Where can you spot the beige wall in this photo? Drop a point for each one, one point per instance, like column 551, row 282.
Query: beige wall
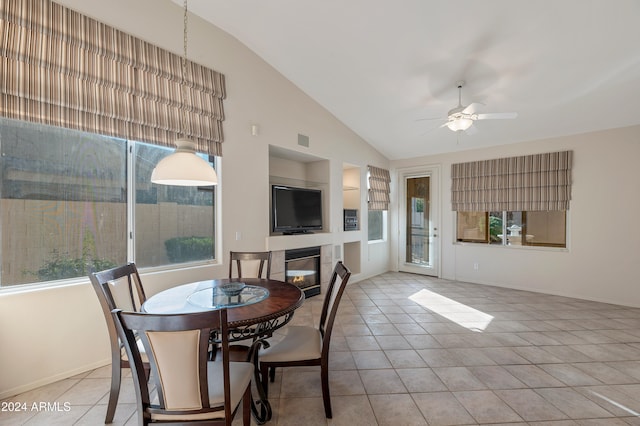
column 603, row 247
column 48, row 334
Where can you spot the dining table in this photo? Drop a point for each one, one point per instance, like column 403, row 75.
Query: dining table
column 256, row 307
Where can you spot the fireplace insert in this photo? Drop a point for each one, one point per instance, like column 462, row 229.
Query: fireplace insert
column 302, row 268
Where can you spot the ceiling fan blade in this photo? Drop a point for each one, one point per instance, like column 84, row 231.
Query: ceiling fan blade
column 497, row 115
column 430, row 119
column 472, row 108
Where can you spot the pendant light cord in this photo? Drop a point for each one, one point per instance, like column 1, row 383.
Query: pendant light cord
column 183, row 90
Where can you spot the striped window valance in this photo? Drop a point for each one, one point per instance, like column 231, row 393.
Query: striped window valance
column 62, row 68
column 379, row 188
column 540, row 182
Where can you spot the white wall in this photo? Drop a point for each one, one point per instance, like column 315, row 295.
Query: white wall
column 603, row 227
column 49, row 334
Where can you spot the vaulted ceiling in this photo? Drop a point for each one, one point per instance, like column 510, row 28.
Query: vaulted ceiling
column 382, row 67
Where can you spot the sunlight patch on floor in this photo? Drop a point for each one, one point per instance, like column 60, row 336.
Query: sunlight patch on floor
column 617, row 404
column 461, row 314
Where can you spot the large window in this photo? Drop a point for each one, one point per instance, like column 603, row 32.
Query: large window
column 67, row 199
column 515, row 228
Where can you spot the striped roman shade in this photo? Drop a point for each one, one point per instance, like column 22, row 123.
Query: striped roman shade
column 61, row 68
column 540, row 182
column 379, row 180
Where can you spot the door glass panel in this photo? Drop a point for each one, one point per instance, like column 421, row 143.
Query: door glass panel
column 418, row 221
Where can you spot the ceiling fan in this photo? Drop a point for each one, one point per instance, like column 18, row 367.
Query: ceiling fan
column 461, row 118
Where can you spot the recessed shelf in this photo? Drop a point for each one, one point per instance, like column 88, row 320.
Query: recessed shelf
column 352, row 203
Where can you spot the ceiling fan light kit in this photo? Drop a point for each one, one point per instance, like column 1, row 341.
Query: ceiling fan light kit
column 459, row 124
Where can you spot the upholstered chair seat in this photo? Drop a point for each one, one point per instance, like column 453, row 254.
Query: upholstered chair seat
column 297, row 343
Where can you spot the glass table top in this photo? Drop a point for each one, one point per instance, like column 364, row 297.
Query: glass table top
column 215, row 298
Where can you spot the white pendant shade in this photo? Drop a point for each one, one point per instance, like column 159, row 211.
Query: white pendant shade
column 184, row 168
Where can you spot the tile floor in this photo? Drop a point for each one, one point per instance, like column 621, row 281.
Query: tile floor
column 413, row 350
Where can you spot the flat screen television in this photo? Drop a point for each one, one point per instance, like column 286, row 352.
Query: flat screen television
column 295, row 210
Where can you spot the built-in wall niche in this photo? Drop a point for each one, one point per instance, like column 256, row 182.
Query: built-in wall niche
column 301, row 170
column 352, row 256
column 351, row 197
column 352, row 216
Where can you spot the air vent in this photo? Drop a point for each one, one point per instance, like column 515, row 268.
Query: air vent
column 303, row 140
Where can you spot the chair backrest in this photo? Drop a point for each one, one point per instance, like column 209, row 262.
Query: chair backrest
column 258, row 260
column 331, row 302
column 118, row 288
column 177, row 346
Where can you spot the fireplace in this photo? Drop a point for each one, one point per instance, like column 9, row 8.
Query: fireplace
column 302, row 268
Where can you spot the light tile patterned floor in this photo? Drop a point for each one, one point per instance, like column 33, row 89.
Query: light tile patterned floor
column 413, row 350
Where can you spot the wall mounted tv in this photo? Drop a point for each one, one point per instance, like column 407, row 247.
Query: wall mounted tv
column 295, row 210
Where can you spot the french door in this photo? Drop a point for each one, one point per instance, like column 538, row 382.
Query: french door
column 419, row 246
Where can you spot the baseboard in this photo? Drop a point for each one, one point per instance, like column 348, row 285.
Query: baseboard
column 8, row 393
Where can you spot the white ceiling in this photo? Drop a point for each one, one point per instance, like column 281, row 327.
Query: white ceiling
column 380, row 66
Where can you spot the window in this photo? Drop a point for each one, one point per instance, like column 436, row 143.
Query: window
column 513, row 201
column 376, row 227
column 472, row 227
column 65, row 202
column 174, row 224
column 378, row 188
column 534, row 228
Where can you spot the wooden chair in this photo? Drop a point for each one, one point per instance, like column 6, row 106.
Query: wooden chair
column 238, row 257
column 189, row 387
column 248, row 349
column 118, row 288
column 307, row 346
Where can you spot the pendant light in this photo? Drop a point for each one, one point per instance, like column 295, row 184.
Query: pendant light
column 184, row 167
